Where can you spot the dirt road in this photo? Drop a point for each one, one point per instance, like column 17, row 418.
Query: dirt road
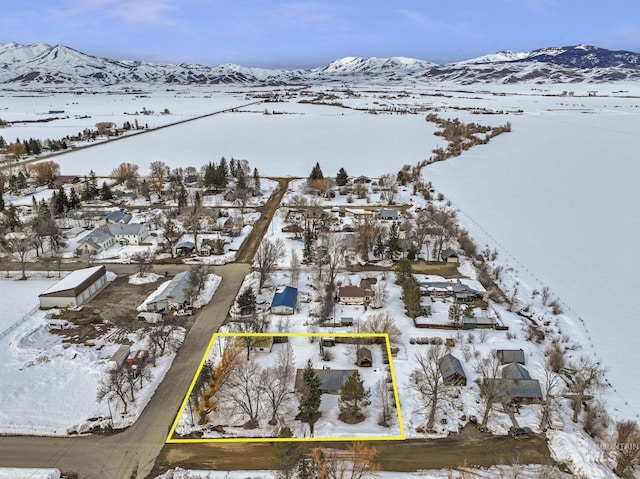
column 405, row 456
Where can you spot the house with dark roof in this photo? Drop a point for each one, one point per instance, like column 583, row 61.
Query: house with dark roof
column 74, row 289
column 284, row 300
column 331, row 380
column 58, row 181
column 184, row 248
column 515, row 371
column 452, row 371
column 361, row 294
column 389, row 214
column 507, row 356
column 115, row 217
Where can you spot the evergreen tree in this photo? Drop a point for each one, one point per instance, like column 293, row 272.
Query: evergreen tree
column 145, row 190
column 105, row 192
column 233, row 168
column 411, row 297
column 380, row 248
column 307, row 249
column 92, row 185
column 209, row 175
column 246, row 302
column 1, row 195
column 62, row 202
column 21, row 181
column 455, row 313
column 73, row 201
column 403, row 270
column 287, row 455
column 316, row 173
column 241, row 182
column 182, row 198
column 12, row 220
column 342, row 178
column 353, row 398
column 393, row 244
column 310, row 394
column 256, row 180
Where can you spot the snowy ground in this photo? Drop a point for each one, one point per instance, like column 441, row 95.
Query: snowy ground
column 65, row 376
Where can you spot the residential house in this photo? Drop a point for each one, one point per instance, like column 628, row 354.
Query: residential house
column 331, row 380
column 184, row 248
column 59, row 181
column 284, row 300
column 452, row 371
column 107, row 235
column 115, row 217
column 361, row 294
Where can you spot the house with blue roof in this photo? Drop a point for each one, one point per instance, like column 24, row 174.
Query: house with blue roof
column 284, row 300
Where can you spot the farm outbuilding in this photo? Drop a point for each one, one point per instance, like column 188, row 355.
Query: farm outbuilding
column 449, row 256
column 507, row 356
column 364, row 359
column 452, row 371
column 174, row 296
column 75, row 289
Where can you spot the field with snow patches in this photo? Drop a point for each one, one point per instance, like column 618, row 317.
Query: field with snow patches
column 556, row 198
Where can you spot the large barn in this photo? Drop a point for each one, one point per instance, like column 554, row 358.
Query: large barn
column 75, row 289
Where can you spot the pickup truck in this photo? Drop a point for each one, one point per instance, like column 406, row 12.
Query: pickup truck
column 183, row 312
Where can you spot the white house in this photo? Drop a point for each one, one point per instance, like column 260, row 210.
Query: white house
column 107, row 235
column 74, row 289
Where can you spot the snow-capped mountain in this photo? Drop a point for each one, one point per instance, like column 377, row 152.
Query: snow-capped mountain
column 42, row 64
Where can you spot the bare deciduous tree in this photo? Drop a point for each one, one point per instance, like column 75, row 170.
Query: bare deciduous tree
column 116, row 383
column 586, row 375
column 385, row 403
column 278, row 381
column 627, row 446
column 551, row 389
column 488, row 368
column 163, row 338
column 244, row 391
column 266, row 258
column 144, row 260
column 357, row 463
column 383, row 323
column 19, row 246
column 388, row 188
column 426, row 381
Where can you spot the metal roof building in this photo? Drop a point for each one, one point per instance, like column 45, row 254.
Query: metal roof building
column 173, row 296
column 452, row 371
column 75, row 288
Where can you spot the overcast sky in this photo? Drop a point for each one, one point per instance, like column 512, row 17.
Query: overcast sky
column 280, row 33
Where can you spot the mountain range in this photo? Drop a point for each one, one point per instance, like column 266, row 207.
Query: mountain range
column 40, row 64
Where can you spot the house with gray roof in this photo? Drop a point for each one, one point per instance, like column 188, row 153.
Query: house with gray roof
column 452, row 371
column 507, row 356
column 331, row 380
column 115, row 217
column 516, row 372
column 449, row 256
column 107, row 235
column 173, row 296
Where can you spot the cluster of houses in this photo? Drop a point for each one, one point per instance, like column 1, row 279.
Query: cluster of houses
column 514, row 386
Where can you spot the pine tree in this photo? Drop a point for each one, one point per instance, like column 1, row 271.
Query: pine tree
column 105, row 192
column 287, row 455
column 353, row 398
column 403, row 270
column 411, row 297
column 379, row 249
column 246, row 302
column 310, row 394
column 455, row 313
column 307, row 249
column 73, row 201
column 62, row 202
column 241, row 182
column 393, row 244
column 316, row 173
column 342, row 177
column 93, row 185
column 256, row 180
column 182, row 198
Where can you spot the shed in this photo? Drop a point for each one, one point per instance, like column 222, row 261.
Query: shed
column 74, row 289
column 507, row 356
column 284, row 300
column 73, row 232
column 119, row 357
column 331, row 380
column 185, row 248
column 388, row 214
column 482, row 322
column 449, row 256
column 364, row 359
column 452, row 371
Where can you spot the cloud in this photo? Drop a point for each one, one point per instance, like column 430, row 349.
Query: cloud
column 139, row 12
column 412, row 16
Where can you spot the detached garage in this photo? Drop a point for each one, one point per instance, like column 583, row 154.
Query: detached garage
column 75, row 289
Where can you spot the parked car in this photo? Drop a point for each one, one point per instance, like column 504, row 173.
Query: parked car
column 183, row 312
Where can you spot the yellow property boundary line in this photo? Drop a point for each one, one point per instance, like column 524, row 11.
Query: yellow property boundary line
column 400, row 437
